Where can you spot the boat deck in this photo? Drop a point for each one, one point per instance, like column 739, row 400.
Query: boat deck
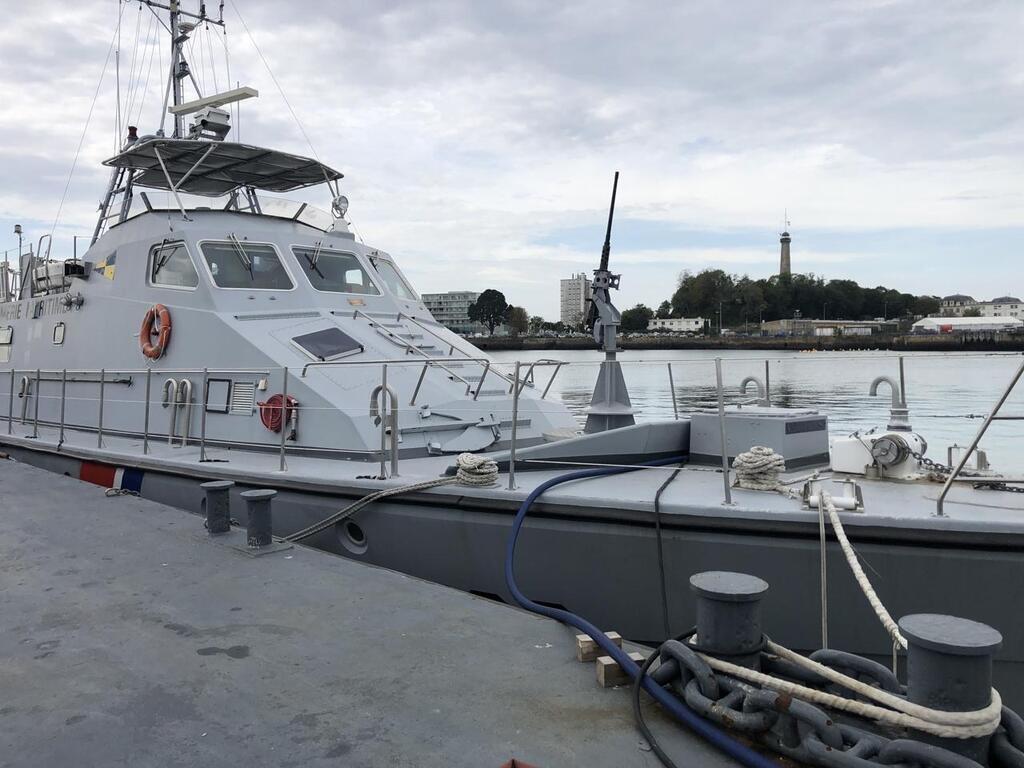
column 696, row 495
column 129, row 637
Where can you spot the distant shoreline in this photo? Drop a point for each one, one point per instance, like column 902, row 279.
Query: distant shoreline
column 904, row 343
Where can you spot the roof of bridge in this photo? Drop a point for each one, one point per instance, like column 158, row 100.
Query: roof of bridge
column 212, row 168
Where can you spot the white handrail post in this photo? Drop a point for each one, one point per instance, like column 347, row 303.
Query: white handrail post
column 10, row 406
column 145, row 418
column 392, row 397
column 202, row 418
column 672, row 389
column 63, row 391
column 515, row 428
column 383, row 421
column 283, row 466
column 722, row 431
column 99, row 420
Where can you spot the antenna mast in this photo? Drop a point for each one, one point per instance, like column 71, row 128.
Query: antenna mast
column 177, row 62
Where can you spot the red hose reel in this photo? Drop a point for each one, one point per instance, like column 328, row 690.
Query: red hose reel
column 271, row 412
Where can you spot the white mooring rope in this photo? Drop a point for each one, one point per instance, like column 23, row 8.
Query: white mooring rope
column 903, row 714
column 758, row 470
column 858, row 573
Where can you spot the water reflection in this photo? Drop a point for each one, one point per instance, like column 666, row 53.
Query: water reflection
column 942, row 389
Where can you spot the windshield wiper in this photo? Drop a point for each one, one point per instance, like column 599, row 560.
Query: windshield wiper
column 314, row 257
column 242, row 255
column 166, row 250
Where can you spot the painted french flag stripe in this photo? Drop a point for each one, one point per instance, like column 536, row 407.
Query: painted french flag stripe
column 111, row 477
column 98, row 474
column 130, row 479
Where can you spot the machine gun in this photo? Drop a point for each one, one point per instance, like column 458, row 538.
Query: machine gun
column 602, row 317
column 610, row 407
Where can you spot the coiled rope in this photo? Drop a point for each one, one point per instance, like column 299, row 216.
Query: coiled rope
column 758, row 469
column 473, row 471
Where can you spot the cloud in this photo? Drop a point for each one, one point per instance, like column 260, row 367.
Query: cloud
column 478, row 139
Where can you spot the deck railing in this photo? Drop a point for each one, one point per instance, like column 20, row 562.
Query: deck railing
column 385, row 407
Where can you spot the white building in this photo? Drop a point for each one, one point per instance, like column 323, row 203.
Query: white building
column 677, row 324
column 1004, row 306
column 967, row 324
column 451, row 310
column 575, row 293
column 960, row 304
column 957, row 304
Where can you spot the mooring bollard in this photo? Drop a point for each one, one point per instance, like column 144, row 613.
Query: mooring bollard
column 949, row 667
column 218, row 506
column 260, row 528
column 729, row 615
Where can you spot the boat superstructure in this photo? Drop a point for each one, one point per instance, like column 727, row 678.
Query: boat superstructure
column 216, row 331
column 242, row 278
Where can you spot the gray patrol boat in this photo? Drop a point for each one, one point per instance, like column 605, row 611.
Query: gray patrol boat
column 214, row 330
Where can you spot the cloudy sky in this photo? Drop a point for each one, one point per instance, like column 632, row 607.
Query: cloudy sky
column 479, row 139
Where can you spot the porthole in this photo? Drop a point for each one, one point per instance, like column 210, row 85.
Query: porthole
column 58, row 333
column 352, row 537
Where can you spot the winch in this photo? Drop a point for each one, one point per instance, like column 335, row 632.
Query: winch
column 894, row 454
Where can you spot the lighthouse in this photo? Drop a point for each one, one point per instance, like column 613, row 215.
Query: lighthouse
column 785, row 266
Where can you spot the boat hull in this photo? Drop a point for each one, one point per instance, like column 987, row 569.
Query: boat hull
column 608, row 570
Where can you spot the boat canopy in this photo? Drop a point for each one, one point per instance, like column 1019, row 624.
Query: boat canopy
column 213, row 168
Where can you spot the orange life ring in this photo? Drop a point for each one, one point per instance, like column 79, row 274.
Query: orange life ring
column 158, row 312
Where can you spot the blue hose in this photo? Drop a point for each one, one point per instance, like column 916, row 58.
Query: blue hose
column 681, row 712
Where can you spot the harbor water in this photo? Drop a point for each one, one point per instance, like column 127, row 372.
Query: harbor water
column 948, row 394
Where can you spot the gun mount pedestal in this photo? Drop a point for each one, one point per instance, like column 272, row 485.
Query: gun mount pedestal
column 610, row 407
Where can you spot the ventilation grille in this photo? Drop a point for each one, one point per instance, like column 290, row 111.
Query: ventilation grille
column 276, row 316
column 243, row 398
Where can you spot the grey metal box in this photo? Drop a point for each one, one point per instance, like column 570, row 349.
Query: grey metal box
column 799, row 435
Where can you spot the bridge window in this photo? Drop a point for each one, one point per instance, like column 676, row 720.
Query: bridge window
column 335, row 271
column 239, row 264
column 393, row 279
column 170, row 266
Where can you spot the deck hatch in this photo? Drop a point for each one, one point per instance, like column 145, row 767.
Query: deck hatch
column 328, row 344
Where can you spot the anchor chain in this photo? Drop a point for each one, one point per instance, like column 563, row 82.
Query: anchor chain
column 805, row 732
column 935, row 466
column 1000, row 486
column 941, row 471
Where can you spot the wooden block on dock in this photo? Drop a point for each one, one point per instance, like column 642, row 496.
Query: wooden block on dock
column 609, row 673
column 588, row 650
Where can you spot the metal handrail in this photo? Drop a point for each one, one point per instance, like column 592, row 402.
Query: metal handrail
column 974, row 443
column 380, row 361
column 410, row 347
column 178, row 397
column 466, row 356
column 528, row 378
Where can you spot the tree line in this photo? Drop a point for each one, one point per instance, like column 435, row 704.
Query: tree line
column 742, row 300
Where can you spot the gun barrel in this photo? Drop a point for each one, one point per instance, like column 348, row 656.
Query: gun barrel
column 606, row 250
